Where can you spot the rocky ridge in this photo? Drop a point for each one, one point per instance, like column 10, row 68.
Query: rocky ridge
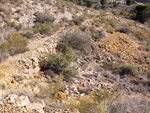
column 21, row 79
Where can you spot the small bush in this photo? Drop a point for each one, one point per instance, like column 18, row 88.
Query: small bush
column 114, row 67
column 77, row 40
column 56, row 62
column 69, row 54
column 87, row 3
column 122, row 70
column 128, row 70
column 52, row 88
column 112, row 22
column 42, row 28
column 15, row 26
column 43, row 17
column 19, row 27
column 107, row 65
column 123, row 13
column 28, row 34
column 69, row 72
column 115, row 4
column 114, row 12
column 142, row 13
column 15, row 44
column 95, row 34
column 59, row 63
column 140, row 35
column 110, row 30
column 130, row 2
column 124, row 30
column 85, row 106
column 77, row 22
column 102, row 95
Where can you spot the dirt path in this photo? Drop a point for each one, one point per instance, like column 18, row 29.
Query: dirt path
column 16, row 64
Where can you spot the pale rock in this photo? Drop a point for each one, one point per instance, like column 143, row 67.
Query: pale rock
column 36, row 106
column 103, row 34
column 1, row 102
column 23, row 101
column 13, row 97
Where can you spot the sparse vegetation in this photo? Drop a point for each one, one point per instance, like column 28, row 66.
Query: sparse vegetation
column 43, row 17
column 122, row 70
column 123, row 13
column 11, row 1
column 130, row 2
column 128, row 70
column 59, row 63
column 42, row 28
column 52, row 88
column 16, row 44
column 55, row 62
column 75, row 66
column 87, row 3
column 43, row 22
column 77, row 40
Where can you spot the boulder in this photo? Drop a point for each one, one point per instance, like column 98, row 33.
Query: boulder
column 103, row 34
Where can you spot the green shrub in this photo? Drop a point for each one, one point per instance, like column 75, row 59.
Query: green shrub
column 139, row 35
column 107, row 65
column 130, row 2
column 102, row 95
column 42, row 28
column 56, row 62
column 59, row 63
column 103, row 2
column 112, row 22
column 43, row 17
column 128, row 70
column 69, row 54
column 142, row 13
column 28, row 34
column 124, row 30
column 69, row 72
column 85, row 106
column 52, row 88
column 77, row 40
column 115, row 4
column 133, row 16
column 122, row 70
column 110, row 30
column 15, row 26
column 19, row 27
column 77, row 22
column 114, row 12
column 87, row 3
column 123, row 13
column 15, row 44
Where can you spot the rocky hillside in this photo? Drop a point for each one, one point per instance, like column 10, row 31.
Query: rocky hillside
column 59, row 57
